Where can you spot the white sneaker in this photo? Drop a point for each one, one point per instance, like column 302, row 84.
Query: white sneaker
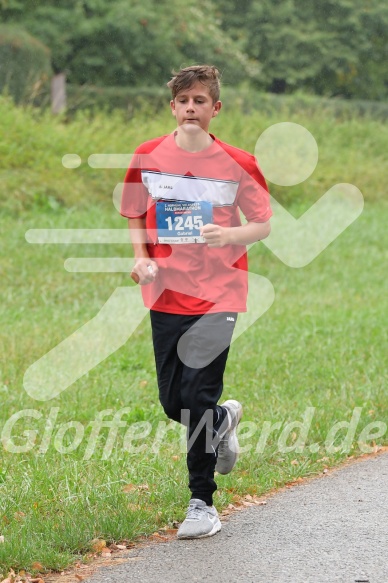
column 200, row 521
column 228, row 447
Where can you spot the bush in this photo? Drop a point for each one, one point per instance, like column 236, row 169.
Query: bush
column 25, row 65
column 131, row 99
column 248, row 100
column 245, row 99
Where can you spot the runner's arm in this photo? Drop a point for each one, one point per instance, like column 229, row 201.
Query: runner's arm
column 144, row 267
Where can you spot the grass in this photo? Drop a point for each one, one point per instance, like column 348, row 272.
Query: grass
column 32, row 144
column 321, row 345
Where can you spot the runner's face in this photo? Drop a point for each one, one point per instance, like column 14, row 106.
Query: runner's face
column 194, row 107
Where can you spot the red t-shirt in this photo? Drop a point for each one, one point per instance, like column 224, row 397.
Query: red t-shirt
column 194, row 278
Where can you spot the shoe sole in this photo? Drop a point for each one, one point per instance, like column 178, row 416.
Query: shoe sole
column 232, row 439
column 216, row 528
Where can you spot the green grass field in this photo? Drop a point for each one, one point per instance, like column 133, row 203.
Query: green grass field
column 319, row 350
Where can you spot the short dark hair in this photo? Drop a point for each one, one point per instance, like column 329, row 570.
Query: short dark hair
column 206, row 74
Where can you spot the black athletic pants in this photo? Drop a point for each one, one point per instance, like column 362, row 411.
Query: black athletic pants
column 190, row 357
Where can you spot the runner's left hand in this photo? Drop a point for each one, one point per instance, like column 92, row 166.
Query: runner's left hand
column 215, row 235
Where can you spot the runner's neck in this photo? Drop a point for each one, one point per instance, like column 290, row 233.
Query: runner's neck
column 192, row 141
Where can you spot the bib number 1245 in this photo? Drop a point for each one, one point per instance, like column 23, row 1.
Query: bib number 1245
column 182, row 223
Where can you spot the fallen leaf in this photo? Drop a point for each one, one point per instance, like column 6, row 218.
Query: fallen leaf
column 79, row 577
column 10, row 578
column 37, row 566
column 158, row 536
column 168, row 531
column 19, row 515
column 1, row 538
column 97, row 545
column 114, row 547
column 294, row 463
column 133, row 487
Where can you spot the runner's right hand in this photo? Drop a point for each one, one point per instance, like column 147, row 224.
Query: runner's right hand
column 144, row 271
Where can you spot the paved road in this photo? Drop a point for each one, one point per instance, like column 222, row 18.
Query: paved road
column 333, row 529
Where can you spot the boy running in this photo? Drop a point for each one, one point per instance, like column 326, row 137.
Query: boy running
column 183, row 194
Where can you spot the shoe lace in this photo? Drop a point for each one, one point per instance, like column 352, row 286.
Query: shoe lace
column 194, row 512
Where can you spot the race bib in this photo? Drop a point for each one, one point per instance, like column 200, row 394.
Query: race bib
column 180, row 221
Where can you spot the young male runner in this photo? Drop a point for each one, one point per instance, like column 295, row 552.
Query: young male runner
column 183, row 194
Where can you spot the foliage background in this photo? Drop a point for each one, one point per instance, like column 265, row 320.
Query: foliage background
column 330, row 48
